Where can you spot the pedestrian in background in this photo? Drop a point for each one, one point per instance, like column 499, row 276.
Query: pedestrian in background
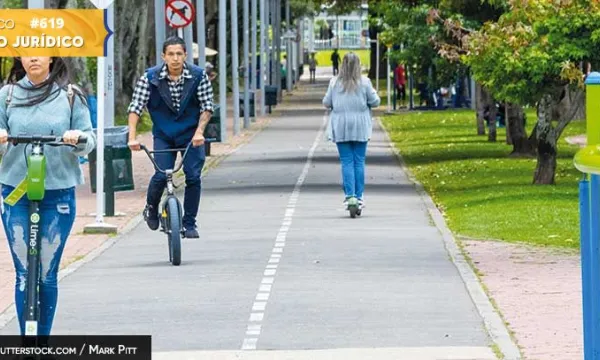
column 350, row 97
column 312, row 67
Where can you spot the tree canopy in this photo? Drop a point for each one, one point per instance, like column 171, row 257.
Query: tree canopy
column 535, row 49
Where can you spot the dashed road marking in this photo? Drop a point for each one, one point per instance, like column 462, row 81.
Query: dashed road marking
column 264, row 291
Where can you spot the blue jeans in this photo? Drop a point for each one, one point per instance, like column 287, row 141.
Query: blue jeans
column 352, row 158
column 57, row 212
column 192, row 168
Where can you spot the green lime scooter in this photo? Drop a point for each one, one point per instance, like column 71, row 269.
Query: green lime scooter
column 34, row 186
column 354, row 207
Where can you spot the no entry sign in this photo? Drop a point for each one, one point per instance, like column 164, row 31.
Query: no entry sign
column 179, row 13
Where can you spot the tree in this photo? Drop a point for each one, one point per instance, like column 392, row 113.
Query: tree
column 462, row 17
column 531, row 56
column 405, row 22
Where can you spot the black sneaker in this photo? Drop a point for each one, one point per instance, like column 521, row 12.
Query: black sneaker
column 191, row 233
column 151, row 217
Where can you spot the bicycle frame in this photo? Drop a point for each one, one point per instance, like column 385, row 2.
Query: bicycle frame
column 35, row 179
column 168, row 172
column 170, row 218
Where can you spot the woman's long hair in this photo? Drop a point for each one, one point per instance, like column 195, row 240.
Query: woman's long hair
column 59, row 75
column 350, row 75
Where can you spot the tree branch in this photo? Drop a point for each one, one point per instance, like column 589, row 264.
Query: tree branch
column 566, row 119
column 453, row 28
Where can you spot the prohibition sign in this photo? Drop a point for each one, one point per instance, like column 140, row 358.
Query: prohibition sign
column 179, row 13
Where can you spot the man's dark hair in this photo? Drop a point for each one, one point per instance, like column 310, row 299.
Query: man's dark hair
column 59, row 75
column 173, row 40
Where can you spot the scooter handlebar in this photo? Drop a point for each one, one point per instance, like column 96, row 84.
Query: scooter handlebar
column 46, row 139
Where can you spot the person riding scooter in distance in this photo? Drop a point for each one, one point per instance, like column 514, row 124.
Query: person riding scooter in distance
column 179, row 99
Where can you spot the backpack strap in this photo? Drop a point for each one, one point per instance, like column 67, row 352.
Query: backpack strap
column 11, row 87
column 71, row 96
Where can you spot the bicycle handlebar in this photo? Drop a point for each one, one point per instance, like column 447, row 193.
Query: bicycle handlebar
column 148, row 152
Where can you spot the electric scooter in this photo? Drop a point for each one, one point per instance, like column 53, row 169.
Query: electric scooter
column 354, row 207
column 34, row 187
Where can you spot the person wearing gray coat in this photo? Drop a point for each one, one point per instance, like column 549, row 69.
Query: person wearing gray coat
column 350, row 97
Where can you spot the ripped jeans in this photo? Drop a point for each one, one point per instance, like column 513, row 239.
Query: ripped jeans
column 57, row 212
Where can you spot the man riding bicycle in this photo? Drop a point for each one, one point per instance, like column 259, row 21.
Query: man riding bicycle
column 179, row 99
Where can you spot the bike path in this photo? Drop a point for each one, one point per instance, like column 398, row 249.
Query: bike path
column 281, row 266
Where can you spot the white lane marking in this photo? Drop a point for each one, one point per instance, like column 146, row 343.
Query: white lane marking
column 256, row 317
column 260, row 303
column 249, row 343
column 262, row 296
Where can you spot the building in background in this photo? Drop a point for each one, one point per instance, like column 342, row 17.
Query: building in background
column 330, row 31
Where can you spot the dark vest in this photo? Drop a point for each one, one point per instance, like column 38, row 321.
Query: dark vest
column 168, row 123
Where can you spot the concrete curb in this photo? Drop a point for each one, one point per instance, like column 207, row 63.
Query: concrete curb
column 9, row 313
column 491, row 318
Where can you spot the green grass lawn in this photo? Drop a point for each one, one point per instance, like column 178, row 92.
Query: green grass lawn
column 323, row 57
column 482, row 192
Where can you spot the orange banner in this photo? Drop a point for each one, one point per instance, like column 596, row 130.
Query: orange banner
column 48, row 32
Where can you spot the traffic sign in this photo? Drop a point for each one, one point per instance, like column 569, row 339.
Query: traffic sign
column 179, row 13
column 102, row 4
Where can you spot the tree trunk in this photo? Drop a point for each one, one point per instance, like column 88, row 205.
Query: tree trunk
column 515, row 120
column 480, row 117
column 489, row 108
column 546, row 143
column 130, row 48
column 142, row 54
column 578, row 105
column 492, row 123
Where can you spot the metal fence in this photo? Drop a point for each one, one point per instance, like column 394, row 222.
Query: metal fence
column 344, row 42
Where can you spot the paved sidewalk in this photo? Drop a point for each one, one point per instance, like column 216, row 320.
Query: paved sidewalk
column 280, row 266
column 131, row 203
column 538, row 292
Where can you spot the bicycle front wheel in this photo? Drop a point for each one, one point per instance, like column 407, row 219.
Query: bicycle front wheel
column 174, row 231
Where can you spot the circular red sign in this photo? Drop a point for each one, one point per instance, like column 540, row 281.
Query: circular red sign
column 179, row 13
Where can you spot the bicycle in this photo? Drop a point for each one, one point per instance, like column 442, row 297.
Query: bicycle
column 170, row 218
column 34, row 187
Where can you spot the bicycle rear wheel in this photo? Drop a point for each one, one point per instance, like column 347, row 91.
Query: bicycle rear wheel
column 174, row 230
